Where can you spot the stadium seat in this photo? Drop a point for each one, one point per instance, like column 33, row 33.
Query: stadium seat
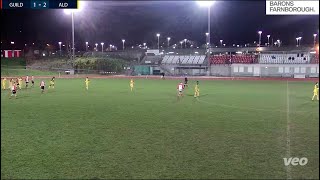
column 238, row 59
column 179, row 59
column 298, row 58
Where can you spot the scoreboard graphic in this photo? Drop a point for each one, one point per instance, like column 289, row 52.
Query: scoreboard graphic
column 39, row 4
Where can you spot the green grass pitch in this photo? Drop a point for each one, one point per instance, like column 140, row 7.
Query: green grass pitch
column 237, row 129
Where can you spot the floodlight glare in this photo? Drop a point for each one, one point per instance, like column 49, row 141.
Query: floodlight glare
column 80, row 7
column 205, row 3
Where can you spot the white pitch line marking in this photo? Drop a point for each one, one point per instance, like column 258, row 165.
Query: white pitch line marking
column 288, row 153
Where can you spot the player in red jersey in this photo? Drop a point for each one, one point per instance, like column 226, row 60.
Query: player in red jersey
column 32, row 81
column 13, row 90
column 180, row 88
column 27, row 81
column 42, row 85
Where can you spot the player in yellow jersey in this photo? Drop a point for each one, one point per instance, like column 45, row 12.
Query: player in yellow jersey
column 131, row 84
column 4, row 82
column 197, row 90
column 87, row 83
column 316, row 92
column 19, row 82
column 52, row 83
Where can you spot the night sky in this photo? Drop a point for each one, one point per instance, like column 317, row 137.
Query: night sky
column 236, row 22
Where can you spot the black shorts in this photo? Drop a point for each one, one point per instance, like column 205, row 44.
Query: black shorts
column 18, row 84
column 42, row 87
column 32, row 82
column 14, row 91
column 27, row 82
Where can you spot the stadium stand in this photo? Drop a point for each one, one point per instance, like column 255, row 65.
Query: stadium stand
column 220, row 59
column 151, row 59
column 187, row 60
column 243, row 59
column 314, row 59
column 236, row 59
column 298, row 58
column 271, row 58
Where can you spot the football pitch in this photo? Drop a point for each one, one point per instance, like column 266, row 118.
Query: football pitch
column 236, row 129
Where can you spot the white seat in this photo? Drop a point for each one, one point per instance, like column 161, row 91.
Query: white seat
column 201, row 60
column 191, row 60
column 169, row 61
column 165, row 59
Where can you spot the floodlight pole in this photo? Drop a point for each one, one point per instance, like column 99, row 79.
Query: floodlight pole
column 259, row 32
column 60, row 47
column 300, row 41
column 314, row 40
column 73, row 49
column 209, row 68
column 158, row 35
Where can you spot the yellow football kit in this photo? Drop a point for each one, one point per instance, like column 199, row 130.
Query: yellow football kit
column 131, row 84
column 4, row 82
column 196, row 91
column 315, row 92
column 51, row 84
column 87, row 83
